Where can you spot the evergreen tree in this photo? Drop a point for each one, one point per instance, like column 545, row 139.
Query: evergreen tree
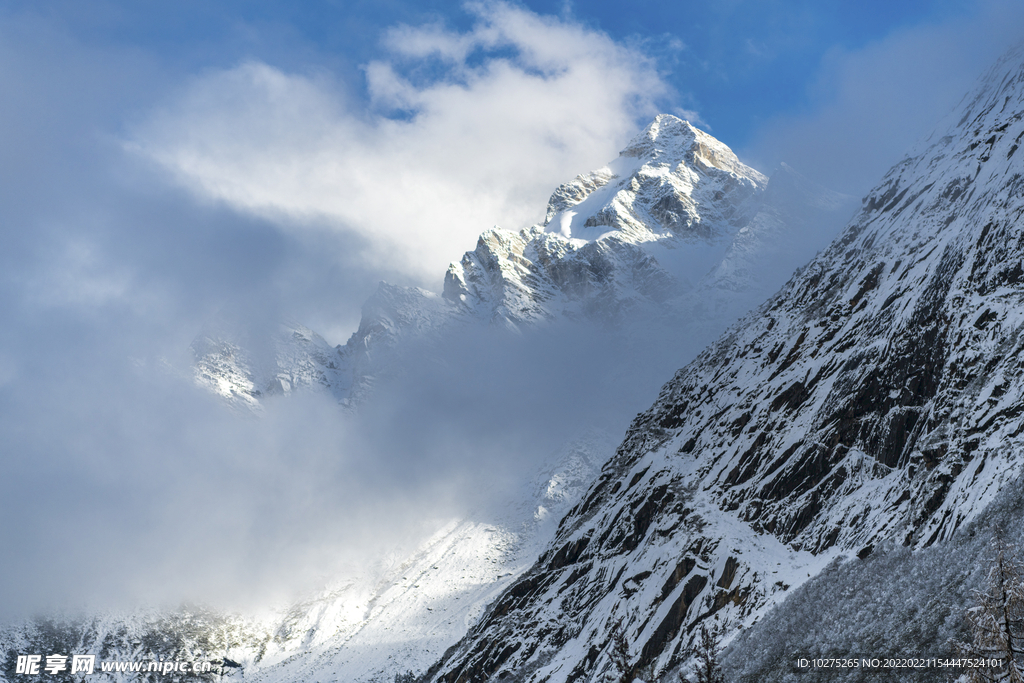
column 707, row 650
column 618, row 652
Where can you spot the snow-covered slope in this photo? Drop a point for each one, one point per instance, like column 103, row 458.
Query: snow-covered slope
column 897, row 603
column 675, row 227
column 400, row 617
column 876, row 397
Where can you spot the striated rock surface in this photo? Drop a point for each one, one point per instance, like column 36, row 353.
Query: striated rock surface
column 875, row 399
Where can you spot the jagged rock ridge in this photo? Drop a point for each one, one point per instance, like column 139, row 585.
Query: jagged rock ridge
column 877, row 396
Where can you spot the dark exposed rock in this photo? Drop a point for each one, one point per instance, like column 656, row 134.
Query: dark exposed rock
column 844, row 413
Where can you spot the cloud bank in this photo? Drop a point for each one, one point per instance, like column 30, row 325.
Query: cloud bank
column 464, row 130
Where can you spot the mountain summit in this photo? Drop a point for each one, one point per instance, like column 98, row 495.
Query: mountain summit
column 672, row 180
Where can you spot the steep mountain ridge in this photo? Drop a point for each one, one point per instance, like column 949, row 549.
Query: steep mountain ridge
column 875, row 397
column 245, row 367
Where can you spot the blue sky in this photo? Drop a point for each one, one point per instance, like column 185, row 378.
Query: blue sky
column 162, row 162
column 738, row 62
column 838, row 90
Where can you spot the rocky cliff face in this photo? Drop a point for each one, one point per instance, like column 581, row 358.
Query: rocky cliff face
column 876, row 397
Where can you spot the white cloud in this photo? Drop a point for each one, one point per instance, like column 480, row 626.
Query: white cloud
column 506, row 111
column 692, row 116
column 78, row 276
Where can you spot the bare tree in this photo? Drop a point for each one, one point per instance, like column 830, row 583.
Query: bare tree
column 997, row 622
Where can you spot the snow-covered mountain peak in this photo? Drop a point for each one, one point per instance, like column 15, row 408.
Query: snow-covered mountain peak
column 666, row 135
column 672, row 180
column 672, row 140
